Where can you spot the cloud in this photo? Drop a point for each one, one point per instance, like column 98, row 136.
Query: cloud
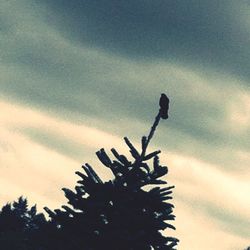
column 198, row 231
column 22, row 162
column 208, row 34
column 202, row 183
column 240, row 112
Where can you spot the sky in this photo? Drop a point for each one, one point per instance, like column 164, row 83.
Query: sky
column 76, row 76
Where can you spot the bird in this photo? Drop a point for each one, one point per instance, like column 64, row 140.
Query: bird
column 164, row 106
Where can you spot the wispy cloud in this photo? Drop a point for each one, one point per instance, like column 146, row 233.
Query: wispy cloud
column 208, row 34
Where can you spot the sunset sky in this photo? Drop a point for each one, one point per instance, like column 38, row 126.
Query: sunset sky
column 76, row 76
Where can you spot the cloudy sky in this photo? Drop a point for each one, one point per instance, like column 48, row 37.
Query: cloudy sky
column 80, row 75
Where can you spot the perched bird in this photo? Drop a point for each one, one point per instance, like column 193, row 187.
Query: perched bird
column 164, row 106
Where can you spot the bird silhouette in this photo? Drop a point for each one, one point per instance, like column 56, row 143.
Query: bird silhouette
column 164, row 106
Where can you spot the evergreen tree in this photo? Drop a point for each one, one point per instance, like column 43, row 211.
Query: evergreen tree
column 20, row 226
column 121, row 213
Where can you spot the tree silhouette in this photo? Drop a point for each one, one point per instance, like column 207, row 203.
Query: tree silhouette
column 127, row 213
column 20, row 226
column 121, row 213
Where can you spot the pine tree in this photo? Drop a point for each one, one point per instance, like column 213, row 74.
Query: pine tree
column 20, row 226
column 121, row 213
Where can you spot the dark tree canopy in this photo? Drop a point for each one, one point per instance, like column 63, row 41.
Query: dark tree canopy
column 128, row 212
column 20, row 227
column 121, row 213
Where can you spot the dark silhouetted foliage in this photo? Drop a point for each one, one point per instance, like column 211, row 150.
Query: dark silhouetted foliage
column 126, row 213
column 119, row 214
column 20, row 227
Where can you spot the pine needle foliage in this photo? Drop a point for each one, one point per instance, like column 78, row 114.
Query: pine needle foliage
column 120, row 213
column 20, row 226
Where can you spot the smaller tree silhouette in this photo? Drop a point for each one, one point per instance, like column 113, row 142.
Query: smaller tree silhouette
column 121, row 213
column 20, row 226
